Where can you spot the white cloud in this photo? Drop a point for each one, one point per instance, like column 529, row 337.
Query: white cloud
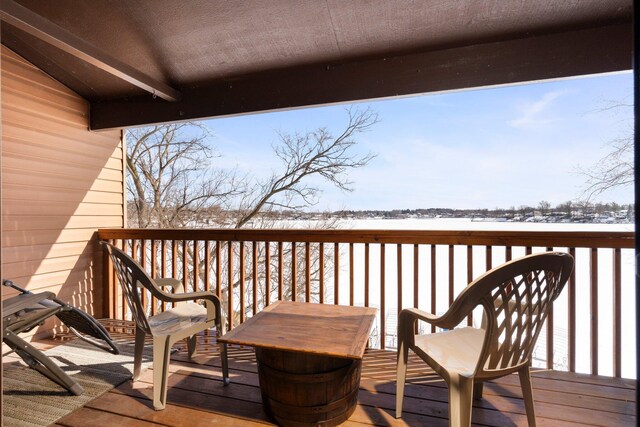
column 532, row 113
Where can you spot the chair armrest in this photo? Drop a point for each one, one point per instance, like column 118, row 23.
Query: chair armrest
column 168, row 282
column 211, row 302
column 408, row 316
column 191, row 296
column 447, row 321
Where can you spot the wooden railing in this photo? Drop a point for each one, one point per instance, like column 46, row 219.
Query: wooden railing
column 390, row 270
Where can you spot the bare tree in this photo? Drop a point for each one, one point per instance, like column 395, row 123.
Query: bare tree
column 170, row 178
column 616, row 168
column 317, row 153
column 173, row 182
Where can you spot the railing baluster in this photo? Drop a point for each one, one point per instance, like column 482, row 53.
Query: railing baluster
column 383, row 332
column 294, row 272
column 267, row 273
column 489, row 258
column 219, row 269
column 336, row 273
column 593, row 263
column 174, row 266
column 230, row 284
column 451, row 278
column 366, row 275
column 399, row 273
column 185, row 266
column 571, row 322
column 195, row 262
column 207, row 265
column 433, row 284
column 241, row 279
column 163, row 257
column 416, row 281
column 174, row 259
column 143, row 263
column 280, row 270
column 550, row 333
column 307, row 273
column 470, row 277
column 351, row 287
column 617, row 313
column 508, row 253
column 416, row 275
column 154, row 274
column 321, row 273
column 254, row 278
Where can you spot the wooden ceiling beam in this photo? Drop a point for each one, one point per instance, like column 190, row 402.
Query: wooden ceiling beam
column 24, row 19
column 551, row 56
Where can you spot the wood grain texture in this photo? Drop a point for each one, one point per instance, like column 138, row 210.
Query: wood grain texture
column 198, row 397
column 331, row 330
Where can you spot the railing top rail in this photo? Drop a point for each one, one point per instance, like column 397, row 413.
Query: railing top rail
column 587, row 239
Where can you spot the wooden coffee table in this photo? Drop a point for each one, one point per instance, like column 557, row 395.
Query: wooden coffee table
column 309, row 359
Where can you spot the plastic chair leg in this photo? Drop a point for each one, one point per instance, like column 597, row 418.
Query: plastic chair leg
column 460, row 400
column 137, row 353
column 225, row 364
column 401, row 374
column 191, row 346
column 161, row 355
column 527, row 394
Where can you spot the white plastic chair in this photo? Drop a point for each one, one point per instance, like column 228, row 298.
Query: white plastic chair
column 516, row 298
column 184, row 320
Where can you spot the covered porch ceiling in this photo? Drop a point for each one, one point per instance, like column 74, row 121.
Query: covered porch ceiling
column 149, row 61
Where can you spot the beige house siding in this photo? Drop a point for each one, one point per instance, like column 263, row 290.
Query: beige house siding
column 60, row 183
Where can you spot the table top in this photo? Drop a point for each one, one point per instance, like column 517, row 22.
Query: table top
column 331, row 330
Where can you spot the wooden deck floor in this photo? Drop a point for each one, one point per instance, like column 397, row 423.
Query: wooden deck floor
column 197, row 397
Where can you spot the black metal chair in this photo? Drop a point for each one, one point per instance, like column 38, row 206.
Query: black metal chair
column 27, row 310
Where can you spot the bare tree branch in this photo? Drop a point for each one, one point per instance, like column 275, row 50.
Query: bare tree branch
column 616, row 169
column 316, row 153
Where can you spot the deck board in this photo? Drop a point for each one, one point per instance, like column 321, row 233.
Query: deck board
column 197, row 396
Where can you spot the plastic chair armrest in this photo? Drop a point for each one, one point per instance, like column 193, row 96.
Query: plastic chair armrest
column 168, row 282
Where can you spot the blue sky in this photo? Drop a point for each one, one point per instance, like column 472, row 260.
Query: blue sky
column 495, row 147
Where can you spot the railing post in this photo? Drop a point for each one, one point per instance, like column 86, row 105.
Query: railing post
column 108, row 287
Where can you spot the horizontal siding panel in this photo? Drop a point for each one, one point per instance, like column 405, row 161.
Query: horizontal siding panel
column 59, row 167
column 80, row 278
column 60, row 183
column 100, row 192
column 75, row 134
column 92, row 144
column 26, row 146
column 34, row 207
column 47, row 265
column 11, row 239
column 51, row 250
column 13, row 66
column 15, row 101
column 43, row 94
column 53, row 183
column 33, row 222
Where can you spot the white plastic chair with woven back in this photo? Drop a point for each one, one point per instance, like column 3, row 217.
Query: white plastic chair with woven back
column 516, row 298
column 184, row 320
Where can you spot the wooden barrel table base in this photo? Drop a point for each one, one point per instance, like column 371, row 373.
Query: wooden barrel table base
column 300, row 389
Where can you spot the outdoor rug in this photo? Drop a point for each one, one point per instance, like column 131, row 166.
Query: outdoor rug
column 30, row 399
